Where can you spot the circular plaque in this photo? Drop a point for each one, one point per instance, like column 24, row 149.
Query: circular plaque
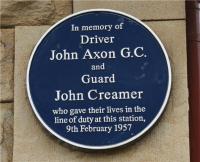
column 98, row 79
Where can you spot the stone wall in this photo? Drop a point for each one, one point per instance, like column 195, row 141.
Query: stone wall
column 22, row 24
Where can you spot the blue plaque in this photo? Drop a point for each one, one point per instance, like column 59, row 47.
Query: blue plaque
column 99, row 79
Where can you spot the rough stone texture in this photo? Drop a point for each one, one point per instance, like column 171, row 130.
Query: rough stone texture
column 6, row 132
column 6, row 64
column 145, row 10
column 167, row 142
column 33, row 12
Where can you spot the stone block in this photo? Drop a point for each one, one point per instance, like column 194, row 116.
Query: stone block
column 161, row 144
column 33, row 12
column 6, row 132
column 6, row 64
column 145, row 10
